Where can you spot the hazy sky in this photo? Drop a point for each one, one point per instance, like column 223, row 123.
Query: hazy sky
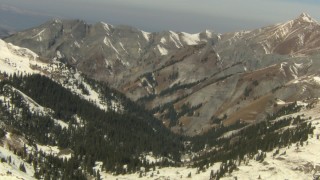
column 178, row 15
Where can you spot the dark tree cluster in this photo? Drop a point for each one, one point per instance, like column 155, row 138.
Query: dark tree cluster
column 121, row 138
column 264, row 136
column 114, row 138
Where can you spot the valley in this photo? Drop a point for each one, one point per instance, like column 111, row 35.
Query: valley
column 98, row 101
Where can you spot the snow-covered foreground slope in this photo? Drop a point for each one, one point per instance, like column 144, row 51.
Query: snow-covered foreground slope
column 7, row 172
column 11, row 170
column 14, row 59
column 291, row 163
column 294, row 162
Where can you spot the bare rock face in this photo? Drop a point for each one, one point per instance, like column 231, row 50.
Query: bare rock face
column 192, row 82
column 103, row 51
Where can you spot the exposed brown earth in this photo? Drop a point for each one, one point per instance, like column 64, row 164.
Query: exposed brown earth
column 237, row 75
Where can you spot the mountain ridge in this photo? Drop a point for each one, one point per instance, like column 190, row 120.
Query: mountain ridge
column 237, row 97
column 45, row 106
column 172, row 72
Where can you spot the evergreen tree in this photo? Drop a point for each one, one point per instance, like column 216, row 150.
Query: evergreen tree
column 22, row 168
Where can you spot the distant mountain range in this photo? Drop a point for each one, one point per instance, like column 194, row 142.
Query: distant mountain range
column 60, row 103
column 234, row 76
column 82, row 101
column 15, row 19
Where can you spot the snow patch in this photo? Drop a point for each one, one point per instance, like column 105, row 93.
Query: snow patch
column 163, row 40
column 146, row 35
column 77, row 44
column 106, row 26
column 125, row 63
column 301, row 65
column 219, row 36
column 73, row 59
column 174, row 37
column 266, row 47
column 61, row 123
column 163, row 51
column 123, row 47
column 209, row 34
column 306, row 18
column 54, row 150
column 316, row 79
column 301, row 39
column 108, row 43
column 190, row 39
column 38, row 36
column 280, row 102
column 59, row 55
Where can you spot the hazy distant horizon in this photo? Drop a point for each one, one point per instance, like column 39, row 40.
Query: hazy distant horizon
column 155, row 16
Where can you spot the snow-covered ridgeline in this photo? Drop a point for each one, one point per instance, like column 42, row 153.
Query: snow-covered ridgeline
column 14, row 59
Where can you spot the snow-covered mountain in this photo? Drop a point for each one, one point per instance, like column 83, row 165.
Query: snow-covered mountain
column 46, row 107
column 240, row 76
column 103, row 51
column 298, row 37
column 205, row 73
column 238, row 96
column 22, row 61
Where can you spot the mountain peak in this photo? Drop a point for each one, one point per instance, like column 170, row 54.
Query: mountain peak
column 304, row 17
column 106, row 26
column 55, row 20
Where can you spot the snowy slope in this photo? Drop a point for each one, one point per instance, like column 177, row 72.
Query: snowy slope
column 14, row 59
column 290, row 163
column 10, row 170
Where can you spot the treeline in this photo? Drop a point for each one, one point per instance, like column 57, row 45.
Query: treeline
column 248, row 141
column 116, row 139
column 119, row 139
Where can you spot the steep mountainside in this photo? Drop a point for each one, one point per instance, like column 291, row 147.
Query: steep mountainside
column 191, row 82
column 240, row 97
column 298, row 37
column 50, row 111
column 103, row 51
